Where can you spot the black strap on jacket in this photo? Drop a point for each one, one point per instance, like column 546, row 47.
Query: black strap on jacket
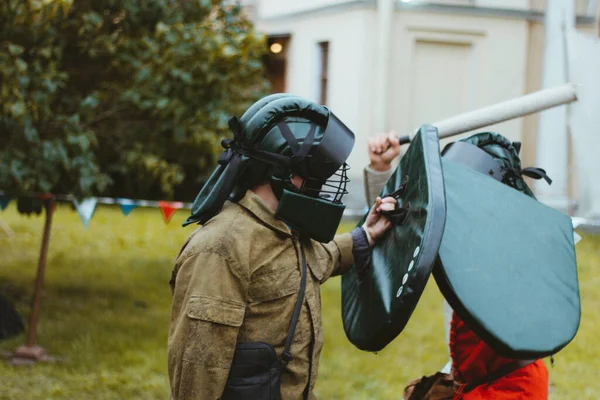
column 497, row 374
column 286, row 356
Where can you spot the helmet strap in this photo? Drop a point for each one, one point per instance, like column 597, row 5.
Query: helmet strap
column 280, row 176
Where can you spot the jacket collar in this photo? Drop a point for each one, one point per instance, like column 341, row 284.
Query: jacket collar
column 254, row 204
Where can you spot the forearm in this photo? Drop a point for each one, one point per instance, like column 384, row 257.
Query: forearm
column 361, row 250
column 374, row 183
column 345, row 249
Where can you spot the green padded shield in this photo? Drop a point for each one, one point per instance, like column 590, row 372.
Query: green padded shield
column 378, row 301
column 507, row 265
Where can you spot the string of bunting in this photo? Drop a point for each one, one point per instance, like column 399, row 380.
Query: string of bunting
column 86, row 207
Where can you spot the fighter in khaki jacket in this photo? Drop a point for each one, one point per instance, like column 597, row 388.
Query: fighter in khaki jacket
column 238, row 280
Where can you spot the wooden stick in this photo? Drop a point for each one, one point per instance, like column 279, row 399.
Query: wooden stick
column 507, row 110
column 504, row 111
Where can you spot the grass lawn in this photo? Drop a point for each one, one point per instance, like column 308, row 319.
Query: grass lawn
column 106, row 301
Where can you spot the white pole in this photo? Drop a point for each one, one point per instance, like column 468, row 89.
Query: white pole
column 511, row 109
column 597, row 24
column 590, row 10
column 507, row 110
column 385, row 15
column 552, row 139
column 584, row 119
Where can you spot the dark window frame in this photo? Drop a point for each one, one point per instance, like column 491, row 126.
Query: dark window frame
column 323, row 71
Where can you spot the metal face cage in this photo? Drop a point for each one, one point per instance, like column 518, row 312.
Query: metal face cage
column 332, row 189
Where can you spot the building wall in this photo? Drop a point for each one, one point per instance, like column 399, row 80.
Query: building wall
column 513, row 4
column 445, row 65
column 273, row 8
column 350, row 49
column 442, row 63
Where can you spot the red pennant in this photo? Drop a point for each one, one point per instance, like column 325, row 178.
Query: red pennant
column 168, row 209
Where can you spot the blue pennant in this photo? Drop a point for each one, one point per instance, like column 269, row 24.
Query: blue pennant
column 127, row 205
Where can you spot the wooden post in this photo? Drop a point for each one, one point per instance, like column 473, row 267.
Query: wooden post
column 31, row 352
column 49, row 205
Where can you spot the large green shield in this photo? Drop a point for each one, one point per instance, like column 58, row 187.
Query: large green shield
column 507, row 265
column 378, row 301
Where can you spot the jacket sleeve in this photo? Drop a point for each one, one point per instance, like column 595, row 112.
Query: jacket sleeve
column 209, row 303
column 374, row 183
column 336, row 256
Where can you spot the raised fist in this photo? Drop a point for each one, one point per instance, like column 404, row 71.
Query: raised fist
column 383, row 148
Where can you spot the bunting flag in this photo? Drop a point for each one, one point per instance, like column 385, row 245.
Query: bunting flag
column 4, row 200
column 169, row 208
column 85, row 209
column 127, row 205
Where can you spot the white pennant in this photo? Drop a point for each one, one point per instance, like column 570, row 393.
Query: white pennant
column 85, row 209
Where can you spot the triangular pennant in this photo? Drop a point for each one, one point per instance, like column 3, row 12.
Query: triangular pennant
column 127, row 205
column 4, row 200
column 85, row 209
column 168, row 209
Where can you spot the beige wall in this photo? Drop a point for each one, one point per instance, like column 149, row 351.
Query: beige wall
column 535, row 52
column 441, row 64
column 350, row 67
column 513, row 4
column 448, row 64
column 580, row 5
column 272, row 8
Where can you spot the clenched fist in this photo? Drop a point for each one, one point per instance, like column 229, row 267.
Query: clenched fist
column 383, row 148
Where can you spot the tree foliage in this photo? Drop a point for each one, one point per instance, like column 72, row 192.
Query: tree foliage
column 120, row 97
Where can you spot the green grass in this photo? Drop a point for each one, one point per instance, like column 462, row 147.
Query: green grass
column 106, row 303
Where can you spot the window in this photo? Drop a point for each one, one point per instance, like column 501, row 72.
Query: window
column 276, row 62
column 323, row 71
